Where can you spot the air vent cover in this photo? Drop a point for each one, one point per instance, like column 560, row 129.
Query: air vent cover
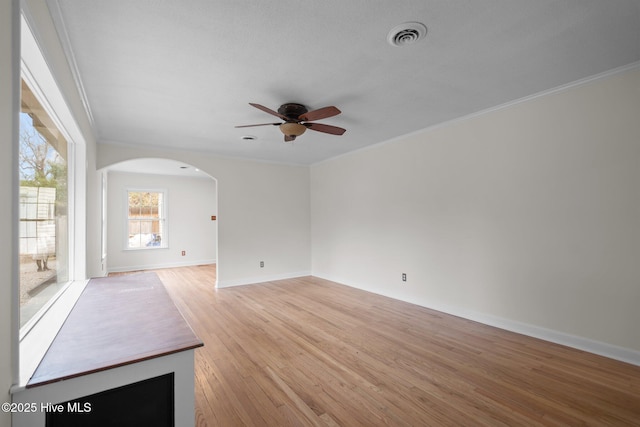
column 406, row 34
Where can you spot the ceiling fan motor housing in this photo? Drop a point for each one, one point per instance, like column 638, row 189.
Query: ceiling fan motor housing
column 292, row 110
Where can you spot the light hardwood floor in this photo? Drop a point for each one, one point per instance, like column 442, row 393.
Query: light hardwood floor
column 309, row 352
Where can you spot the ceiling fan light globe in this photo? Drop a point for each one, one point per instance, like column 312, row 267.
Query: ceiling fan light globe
column 292, row 129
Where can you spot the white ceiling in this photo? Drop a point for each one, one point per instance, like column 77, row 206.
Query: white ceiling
column 177, row 74
column 156, row 166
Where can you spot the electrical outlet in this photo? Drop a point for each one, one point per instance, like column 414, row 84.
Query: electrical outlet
column 184, row 253
column 404, row 277
column 261, row 264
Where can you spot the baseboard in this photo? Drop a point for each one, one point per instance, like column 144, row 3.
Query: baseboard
column 581, row 343
column 260, row 279
column 125, row 268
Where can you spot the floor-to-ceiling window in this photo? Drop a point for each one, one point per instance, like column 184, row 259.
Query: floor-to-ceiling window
column 51, row 230
column 43, row 206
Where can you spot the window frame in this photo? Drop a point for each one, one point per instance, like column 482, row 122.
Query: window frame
column 34, row 338
column 39, row 94
column 164, row 219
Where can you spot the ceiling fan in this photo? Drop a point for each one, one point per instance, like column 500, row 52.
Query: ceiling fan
column 298, row 119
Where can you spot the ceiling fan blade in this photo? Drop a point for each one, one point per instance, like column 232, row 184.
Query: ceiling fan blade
column 268, row 110
column 319, row 127
column 261, row 124
column 319, row 114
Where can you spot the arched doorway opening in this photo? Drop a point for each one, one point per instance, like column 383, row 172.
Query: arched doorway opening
column 158, row 213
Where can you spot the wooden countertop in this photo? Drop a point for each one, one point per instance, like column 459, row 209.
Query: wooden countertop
column 116, row 321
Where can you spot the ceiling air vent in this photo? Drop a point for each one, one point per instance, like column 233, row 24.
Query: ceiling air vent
column 406, row 34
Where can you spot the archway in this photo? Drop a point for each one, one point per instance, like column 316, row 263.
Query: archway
column 187, row 216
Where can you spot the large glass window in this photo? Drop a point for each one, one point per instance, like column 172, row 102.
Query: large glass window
column 43, row 206
column 146, row 218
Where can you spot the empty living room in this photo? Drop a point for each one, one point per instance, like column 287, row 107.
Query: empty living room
column 275, row 213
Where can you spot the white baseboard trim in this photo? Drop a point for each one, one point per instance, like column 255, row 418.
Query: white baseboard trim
column 125, row 268
column 569, row 340
column 260, row 279
column 581, row 343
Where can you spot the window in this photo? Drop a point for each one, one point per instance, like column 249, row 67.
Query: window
column 146, row 219
column 57, row 204
column 43, row 206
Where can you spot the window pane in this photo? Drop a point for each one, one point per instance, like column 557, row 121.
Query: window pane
column 146, row 211
column 43, row 231
column 145, row 227
column 134, row 233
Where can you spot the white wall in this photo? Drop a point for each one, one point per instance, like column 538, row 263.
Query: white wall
column 263, row 213
column 526, row 217
column 191, row 202
column 9, row 104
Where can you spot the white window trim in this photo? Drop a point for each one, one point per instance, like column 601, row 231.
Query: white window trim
column 36, row 336
column 165, row 231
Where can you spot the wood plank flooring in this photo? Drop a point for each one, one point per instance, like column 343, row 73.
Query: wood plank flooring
column 309, row 352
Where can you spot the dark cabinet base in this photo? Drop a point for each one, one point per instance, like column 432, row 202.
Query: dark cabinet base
column 145, row 403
